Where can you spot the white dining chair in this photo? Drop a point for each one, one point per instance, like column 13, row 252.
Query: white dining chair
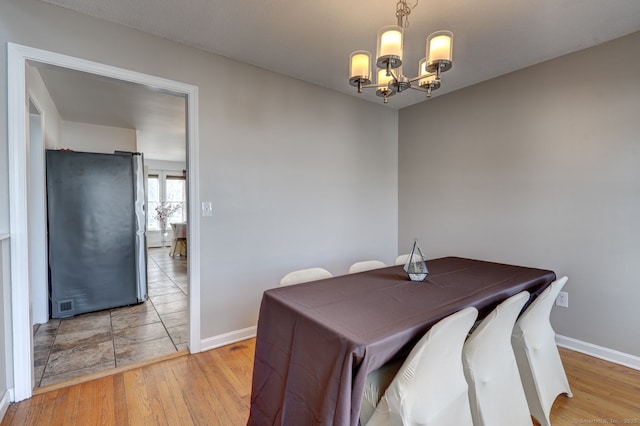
column 179, row 239
column 402, row 259
column 305, row 275
column 429, row 387
column 366, row 265
column 539, row 363
column 495, row 389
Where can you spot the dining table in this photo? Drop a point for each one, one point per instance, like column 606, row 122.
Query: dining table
column 317, row 341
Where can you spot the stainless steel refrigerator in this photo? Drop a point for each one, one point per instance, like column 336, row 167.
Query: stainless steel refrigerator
column 96, row 230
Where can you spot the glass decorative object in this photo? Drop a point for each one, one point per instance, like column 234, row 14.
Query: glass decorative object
column 163, row 233
column 163, row 212
column 416, row 268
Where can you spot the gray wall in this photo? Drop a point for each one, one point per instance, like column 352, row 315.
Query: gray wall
column 298, row 175
column 540, row 167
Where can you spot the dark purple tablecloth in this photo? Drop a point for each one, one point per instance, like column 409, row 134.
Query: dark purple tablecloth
column 317, row 341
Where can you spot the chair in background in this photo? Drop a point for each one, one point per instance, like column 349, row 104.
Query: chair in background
column 366, row 265
column 495, row 389
column 402, row 259
column 429, row 387
column 179, row 241
column 539, row 363
column 305, row 275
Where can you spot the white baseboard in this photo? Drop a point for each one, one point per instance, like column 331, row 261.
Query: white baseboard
column 601, row 352
column 4, row 404
column 228, row 338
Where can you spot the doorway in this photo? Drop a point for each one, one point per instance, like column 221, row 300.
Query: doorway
column 21, row 258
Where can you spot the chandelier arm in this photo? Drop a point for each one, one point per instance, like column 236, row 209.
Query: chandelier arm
column 418, row 88
column 376, row 86
column 420, row 77
column 428, row 90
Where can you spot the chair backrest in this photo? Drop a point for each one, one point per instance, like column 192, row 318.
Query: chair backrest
column 366, row 265
column 533, row 340
column 402, row 259
column 305, row 275
column 430, row 387
column 495, row 389
column 536, row 318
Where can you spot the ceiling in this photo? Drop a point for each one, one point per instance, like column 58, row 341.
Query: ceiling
column 312, row 40
column 159, row 118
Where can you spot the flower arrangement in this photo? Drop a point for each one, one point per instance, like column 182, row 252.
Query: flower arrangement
column 164, row 211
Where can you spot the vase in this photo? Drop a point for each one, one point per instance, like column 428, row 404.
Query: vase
column 163, row 233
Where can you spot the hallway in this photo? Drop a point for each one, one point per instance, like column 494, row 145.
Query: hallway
column 68, row 348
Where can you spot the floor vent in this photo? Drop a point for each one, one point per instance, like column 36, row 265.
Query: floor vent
column 65, row 306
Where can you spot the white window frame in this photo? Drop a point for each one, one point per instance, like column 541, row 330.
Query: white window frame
column 153, row 235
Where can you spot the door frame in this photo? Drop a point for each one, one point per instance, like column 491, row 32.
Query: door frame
column 18, row 113
column 38, row 264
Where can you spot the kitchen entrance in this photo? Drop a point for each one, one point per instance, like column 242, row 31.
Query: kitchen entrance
column 19, row 59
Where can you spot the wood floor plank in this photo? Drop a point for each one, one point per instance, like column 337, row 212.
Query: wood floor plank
column 120, row 408
column 153, row 395
column 17, row 413
column 196, row 393
column 174, row 406
column 46, row 407
column 96, row 402
column 216, row 374
column 238, row 364
column 137, row 400
column 213, row 388
column 225, row 405
column 65, row 408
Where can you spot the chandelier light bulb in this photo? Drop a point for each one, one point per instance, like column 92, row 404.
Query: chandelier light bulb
column 439, row 51
column 390, row 42
column 428, row 81
column 422, row 71
column 383, row 78
column 360, row 66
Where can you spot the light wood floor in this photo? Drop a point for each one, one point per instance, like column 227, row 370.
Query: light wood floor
column 213, row 388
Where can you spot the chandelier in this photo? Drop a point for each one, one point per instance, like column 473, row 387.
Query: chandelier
column 390, row 77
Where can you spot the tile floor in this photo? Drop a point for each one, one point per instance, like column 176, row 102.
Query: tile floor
column 88, row 343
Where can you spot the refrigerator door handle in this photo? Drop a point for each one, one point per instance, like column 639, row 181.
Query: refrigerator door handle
column 141, row 243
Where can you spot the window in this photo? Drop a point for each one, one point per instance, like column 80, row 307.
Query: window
column 175, row 194
column 153, row 199
column 165, row 186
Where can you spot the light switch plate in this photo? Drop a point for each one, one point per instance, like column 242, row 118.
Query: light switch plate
column 207, row 208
